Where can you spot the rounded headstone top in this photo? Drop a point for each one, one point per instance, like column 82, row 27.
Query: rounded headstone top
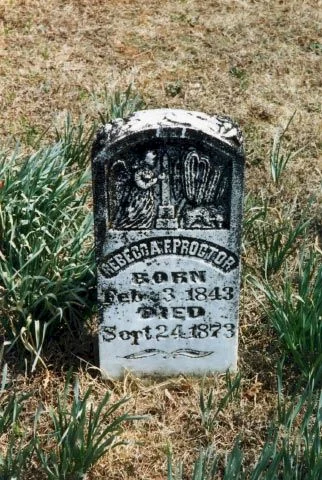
column 217, row 126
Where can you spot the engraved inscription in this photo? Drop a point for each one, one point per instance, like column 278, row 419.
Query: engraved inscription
column 181, row 352
column 162, row 332
column 196, row 322
column 206, row 251
column 173, row 277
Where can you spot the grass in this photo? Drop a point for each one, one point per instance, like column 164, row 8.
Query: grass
column 16, row 458
column 82, row 434
column 47, row 262
column 210, row 407
column 118, row 104
column 275, row 243
column 205, row 467
column 279, row 159
column 255, row 64
column 294, row 311
column 47, row 255
column 292, row 449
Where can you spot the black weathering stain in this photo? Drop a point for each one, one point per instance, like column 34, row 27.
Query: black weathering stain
column 208, row 252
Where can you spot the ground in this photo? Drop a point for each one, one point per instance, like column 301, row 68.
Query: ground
column 257, row 61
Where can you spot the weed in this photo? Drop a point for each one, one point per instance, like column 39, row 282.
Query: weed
column 16, row 459
column 10, row 405
column 291, row 451
column 18, row 453
column 273, row 233
column 300, row 443
column 276, row 243
column 47, row 260
column 10, row 410
column 316, row 47
column 82, row 434
column 295, row 313
column 254, row 211
column 205, row 466
column 278, row 159
column 118, row 105
column 46, row 267
column 32, row 134
column 76, row 141
column 241, row 75
column 172, row 89
column 210, row 408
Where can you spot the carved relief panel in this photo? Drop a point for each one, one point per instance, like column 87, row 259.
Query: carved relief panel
column 169, row 189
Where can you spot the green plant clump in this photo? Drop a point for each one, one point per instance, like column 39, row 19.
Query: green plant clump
column 279, row 159
column 15, row 460
column 46, row 243
column 295, row 313
column 82, row 434
column 210, row 407
column 46, row 252
column 118, row 105
column 292, row 450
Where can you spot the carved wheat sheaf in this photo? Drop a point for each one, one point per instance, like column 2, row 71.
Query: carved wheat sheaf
column 200, row 182
column 184, row 352
column 196, row 170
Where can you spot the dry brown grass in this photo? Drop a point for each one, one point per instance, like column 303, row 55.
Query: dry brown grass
column 254, row 60
column 171, row 407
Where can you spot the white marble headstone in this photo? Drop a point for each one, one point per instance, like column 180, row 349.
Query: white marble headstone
column 168, row 188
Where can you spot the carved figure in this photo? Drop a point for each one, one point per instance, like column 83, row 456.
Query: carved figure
column 138, row 207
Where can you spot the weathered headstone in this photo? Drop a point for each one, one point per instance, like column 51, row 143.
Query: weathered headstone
column 168, row 205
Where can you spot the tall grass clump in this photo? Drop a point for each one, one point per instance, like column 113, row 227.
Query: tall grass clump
column 77, row 140
column 275, row 243
column 211, row 407
column 82, row 433
column 118, row 105
column 295, row 309
column 15, row 459
column 83, row 430
column 275, row 238
column 279, row 157
column 292, row 449
column 205, row 466
column 46, row 253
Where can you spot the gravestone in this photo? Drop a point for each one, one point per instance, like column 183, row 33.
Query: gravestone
column 167, row 189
